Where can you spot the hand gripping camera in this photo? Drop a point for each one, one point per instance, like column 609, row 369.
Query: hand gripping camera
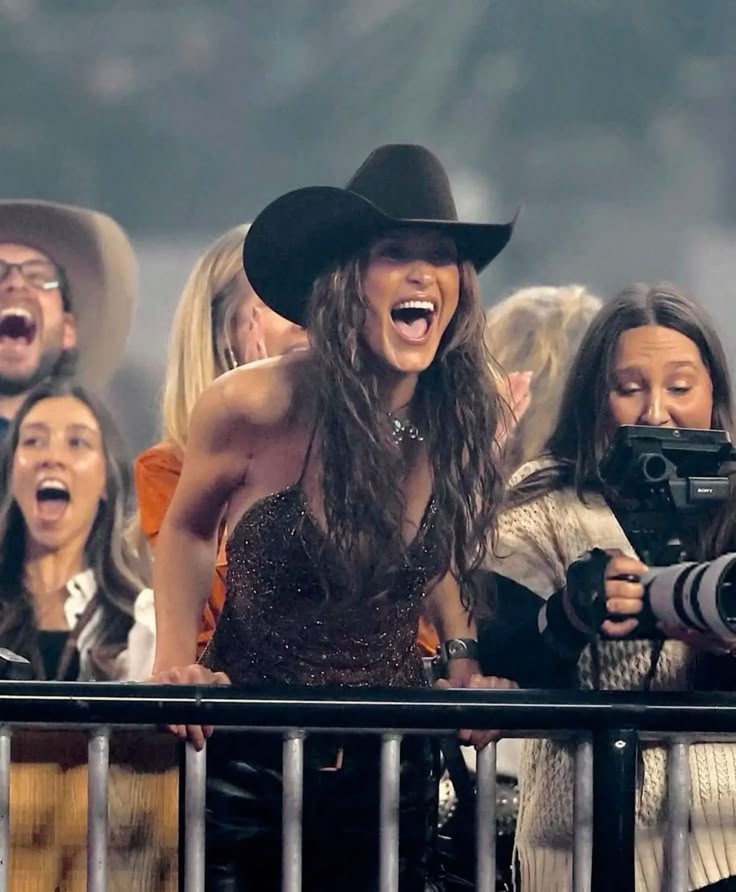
column 662, row 482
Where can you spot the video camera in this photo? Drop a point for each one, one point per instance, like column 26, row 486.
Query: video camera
column 661, row 483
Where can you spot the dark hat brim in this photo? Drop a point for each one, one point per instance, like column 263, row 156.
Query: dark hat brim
column 301, row 234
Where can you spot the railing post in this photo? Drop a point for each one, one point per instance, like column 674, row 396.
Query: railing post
column 4, row 808
column 614, row 798
column 676, row 852
column 389, row 828
column 195, row 792
column 98, row 764
column 582, row 816
column 292, row 801
column 485, row 819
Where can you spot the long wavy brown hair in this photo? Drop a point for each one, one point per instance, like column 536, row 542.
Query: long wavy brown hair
column 455, row 407
column 583, row 431
column 109, row 550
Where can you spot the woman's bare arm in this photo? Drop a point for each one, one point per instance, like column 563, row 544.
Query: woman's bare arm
column 445, row 610
column 215, row 462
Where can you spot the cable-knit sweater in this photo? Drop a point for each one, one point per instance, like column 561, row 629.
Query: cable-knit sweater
column 537, row 542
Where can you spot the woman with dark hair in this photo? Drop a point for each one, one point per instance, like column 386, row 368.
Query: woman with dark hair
column 650, row 357
column 72, row 596
column 358, row 481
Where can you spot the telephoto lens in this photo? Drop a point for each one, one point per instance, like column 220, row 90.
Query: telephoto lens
column 700, row 597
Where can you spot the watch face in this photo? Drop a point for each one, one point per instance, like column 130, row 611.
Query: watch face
column 456, row 648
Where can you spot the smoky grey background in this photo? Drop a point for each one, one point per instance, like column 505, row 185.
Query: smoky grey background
column 612, row 122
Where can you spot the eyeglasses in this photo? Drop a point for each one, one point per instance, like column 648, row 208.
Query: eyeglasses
column 40, row 274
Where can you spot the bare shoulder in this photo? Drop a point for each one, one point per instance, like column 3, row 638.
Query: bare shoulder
column 246, row 404
column 264, row 394
column 237, row 419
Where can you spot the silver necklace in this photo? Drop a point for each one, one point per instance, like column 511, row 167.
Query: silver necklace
column 403, row 429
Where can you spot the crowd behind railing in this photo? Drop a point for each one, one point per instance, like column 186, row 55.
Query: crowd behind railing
column 364, row 485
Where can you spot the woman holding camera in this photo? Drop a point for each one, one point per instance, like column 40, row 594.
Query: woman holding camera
column 650, row 357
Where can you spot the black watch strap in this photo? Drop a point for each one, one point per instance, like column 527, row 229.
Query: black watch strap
column 458, row 649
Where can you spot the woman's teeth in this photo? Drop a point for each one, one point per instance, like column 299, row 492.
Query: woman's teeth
column 426, row 305
column 412, row 318
column 51, row 490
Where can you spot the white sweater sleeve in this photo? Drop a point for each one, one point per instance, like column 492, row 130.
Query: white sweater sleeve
column 528, row 547
column 538, row 541
column 136, row 661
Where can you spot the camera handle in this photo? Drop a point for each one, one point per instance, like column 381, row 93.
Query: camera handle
column 585, row 592
column 585, row 589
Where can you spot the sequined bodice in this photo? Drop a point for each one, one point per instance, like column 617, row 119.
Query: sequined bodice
column 278, row 627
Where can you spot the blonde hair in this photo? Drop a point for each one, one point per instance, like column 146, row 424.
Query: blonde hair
column 539, row 330
column 200, row 348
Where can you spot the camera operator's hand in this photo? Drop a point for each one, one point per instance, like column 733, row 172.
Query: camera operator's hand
column 602, row 594
column 624, row 593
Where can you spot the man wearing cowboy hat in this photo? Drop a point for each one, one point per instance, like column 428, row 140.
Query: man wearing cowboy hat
column 68, row 281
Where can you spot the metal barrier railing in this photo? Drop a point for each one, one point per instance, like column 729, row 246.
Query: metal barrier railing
column 604, row 725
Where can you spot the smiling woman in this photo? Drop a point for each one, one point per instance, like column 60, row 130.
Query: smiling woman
column 411, row 284
column 73, row 602
column 652, row 357
column 71, row 594
column 358, row 482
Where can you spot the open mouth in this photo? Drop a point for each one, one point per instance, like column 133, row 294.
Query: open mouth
column 52, row 499
column 17, row 324
column 412, row 318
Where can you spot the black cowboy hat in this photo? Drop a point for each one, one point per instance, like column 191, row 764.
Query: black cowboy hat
column 298, row 236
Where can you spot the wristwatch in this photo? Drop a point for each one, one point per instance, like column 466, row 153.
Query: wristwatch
column 458, row 649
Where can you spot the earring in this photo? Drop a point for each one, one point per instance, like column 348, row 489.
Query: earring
column 229, row 353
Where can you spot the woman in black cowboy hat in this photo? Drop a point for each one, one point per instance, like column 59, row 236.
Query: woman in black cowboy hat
column 358, row 483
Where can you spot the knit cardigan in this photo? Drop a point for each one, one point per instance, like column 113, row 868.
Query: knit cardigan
column 537, row 542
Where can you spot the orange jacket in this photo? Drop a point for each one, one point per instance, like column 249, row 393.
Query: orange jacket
column 157, row 472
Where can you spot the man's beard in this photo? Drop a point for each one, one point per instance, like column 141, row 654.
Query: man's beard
column 53, row 363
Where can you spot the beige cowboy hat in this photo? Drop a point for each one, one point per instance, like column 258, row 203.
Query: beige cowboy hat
column 100, row 268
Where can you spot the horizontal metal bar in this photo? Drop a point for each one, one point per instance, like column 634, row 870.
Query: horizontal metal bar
column 560, row 734
column 364, row 708
column 276, row 729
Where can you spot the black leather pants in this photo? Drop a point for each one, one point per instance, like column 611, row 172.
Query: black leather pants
column 340, row 818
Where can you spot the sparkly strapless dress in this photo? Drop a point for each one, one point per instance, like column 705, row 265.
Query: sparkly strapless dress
column 279, row 628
